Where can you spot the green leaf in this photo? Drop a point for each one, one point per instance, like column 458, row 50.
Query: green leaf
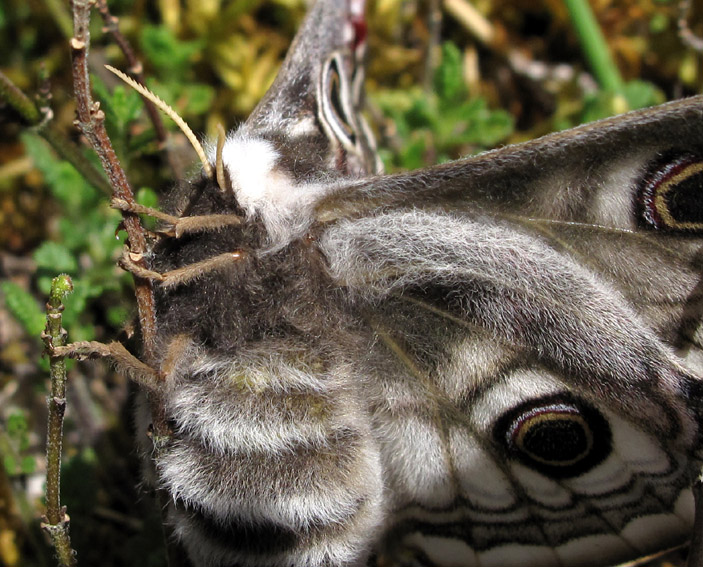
column 28, row 465
column 75, row 305
column 449, row 76
column 185, row 98
column 147, row 197
column 659, row 23
column 122, row 106
column 10, row 464
column 55, row 257
column 16, row 425
column 23, row 307
column 170, row 55
column 445, row 124
column 641, row 94
column 413, row 154
column 199, row 98
column 422, row 114
column 118, row 112
column 637, row 94
column 66, row 184
column 116, row 316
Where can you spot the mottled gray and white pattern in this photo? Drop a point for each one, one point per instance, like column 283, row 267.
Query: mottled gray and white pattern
column 491, row 362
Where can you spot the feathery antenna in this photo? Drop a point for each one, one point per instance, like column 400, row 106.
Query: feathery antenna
column 168, row 111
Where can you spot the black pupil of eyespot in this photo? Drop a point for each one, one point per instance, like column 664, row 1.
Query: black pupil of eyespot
column 670, row 196
column 558, row 436
column 557, row 439
column 686, row 202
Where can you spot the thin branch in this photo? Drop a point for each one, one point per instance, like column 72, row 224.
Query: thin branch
column 91, row 123
column 136, row 69
column 135, row 66
column 11, row 94
column 686, row 34
column 57, row 521
column 433, row 49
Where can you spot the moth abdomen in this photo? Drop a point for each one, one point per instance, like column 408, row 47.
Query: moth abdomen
column 271, row 445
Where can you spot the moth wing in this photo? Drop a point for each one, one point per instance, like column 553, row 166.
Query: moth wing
column 586, row 174
column 536, row 352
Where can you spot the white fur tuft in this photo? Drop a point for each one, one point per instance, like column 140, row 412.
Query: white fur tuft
column 265, row 189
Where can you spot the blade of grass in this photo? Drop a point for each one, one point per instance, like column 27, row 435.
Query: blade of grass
column 594, row 46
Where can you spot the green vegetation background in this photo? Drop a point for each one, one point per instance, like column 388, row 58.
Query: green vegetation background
column 212, row 60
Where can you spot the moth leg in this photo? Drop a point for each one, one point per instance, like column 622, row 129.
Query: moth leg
column 193, row 271
column 180, row 225
column 125, row 361
column 136, row 208
column 183, row 275
column 129, row 262
column 203, row 223
column 177, row 350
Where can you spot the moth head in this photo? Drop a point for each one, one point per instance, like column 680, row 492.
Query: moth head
column 307, row 132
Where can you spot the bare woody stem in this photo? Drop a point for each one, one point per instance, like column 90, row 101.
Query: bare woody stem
column 57, row 520
column 135, row 67
column 686, row 34
column 91, row 123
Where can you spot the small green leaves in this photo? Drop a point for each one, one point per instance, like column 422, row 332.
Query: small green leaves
column 448, row 79
column 84, row 245
column 167, row 53
column 444, row 124
column 634, row 95
column 122, row 106
column 23, row 307
column 14, row 446
column 55, row 257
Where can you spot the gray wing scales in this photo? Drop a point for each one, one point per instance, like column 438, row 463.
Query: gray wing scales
column 586, row 174
column 528, row 406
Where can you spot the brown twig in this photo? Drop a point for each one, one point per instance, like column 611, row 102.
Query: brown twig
column 433, row 48
column 57, row 521
column 136, row 70
column 694, row 41
column 91, row 122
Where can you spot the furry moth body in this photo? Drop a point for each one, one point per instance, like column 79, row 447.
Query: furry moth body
column 491, row 362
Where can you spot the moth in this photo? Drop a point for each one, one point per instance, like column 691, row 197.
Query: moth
column 491, row 362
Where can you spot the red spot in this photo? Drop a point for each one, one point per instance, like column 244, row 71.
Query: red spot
column 360, row 30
